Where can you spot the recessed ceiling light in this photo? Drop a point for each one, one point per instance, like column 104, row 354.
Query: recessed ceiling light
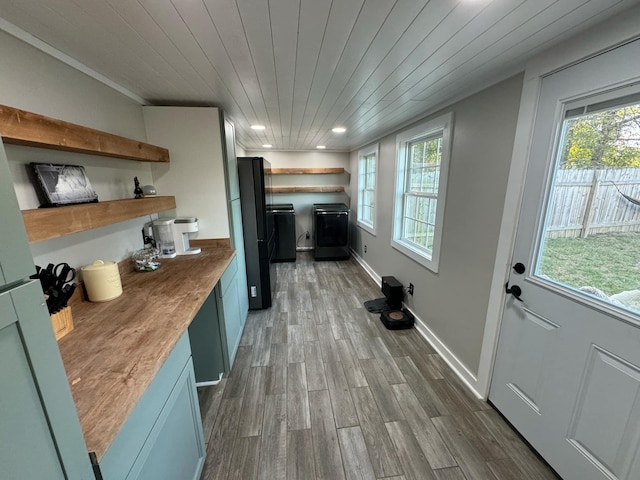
column 338, row 129
column 321, row 147
column 258, row 127
column 267, row 145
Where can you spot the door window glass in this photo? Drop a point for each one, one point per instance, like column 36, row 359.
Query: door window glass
column 591, row 238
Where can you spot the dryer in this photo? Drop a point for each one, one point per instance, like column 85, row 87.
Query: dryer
column 331, row 231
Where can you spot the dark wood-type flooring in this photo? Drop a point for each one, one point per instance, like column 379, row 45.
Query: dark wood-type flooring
column 321, row 390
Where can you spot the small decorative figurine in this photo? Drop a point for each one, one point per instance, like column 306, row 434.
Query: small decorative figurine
column 138, row 190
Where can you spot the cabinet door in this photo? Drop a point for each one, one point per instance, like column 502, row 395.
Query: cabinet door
column 230, row 160
column 241, row 275
column 40, row 435
column 208, row 349
column 232, row 318
column 26, row 442
column 15, row 258
column 175, row 447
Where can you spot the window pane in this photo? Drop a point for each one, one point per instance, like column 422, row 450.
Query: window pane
column 419, row 221
column 410, row 207
column 409, row 229
column 366, row 188
column 431, row 230
column 367, row 198
column 371, row 164
column 423, row 173
column 591, row 238
column 370, row 181
column 431, row 216
column 367, row 214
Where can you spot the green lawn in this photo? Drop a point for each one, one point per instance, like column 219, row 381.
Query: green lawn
column 610, row 262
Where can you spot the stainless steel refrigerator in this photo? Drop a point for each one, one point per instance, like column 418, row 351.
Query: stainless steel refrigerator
column 39, row 428
column 259, row 232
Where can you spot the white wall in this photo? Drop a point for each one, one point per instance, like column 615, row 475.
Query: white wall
column 195, row 175
column 303, row 202
column 33, row 81
column 453, row 303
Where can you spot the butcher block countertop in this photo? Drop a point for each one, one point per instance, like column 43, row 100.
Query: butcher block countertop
column 118, row 347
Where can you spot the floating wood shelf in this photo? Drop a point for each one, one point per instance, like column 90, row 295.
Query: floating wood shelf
column 304, row 171
column 19, row 127
column 316, row 189
column 47, row 223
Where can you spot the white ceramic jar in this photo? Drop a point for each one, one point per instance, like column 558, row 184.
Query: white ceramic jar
column 102, row 281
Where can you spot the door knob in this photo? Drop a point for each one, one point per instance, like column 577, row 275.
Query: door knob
column 519, row 268
column 515, row 290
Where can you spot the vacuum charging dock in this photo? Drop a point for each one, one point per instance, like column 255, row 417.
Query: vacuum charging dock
column 392, row 315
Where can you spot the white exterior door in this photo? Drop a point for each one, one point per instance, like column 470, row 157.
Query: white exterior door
column 567, row 371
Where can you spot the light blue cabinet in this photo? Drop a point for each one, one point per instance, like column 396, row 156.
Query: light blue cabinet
column 230, row 309
column 40, row 434
column 162, row 438
column 215, row 332
column 236, row 226
column 175, row 448
column 25, row 432
column 230, row 159
column 15, row 258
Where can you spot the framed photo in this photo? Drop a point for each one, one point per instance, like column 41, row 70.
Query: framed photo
column 64, row 184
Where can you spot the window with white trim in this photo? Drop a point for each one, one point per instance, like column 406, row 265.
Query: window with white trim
column 421, row 182
column 367, row 185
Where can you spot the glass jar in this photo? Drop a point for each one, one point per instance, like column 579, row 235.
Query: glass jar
column 146, row 260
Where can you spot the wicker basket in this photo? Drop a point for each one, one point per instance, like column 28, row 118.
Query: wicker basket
column 62, row 322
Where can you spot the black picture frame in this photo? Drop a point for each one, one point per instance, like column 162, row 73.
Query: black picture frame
column 63, row 184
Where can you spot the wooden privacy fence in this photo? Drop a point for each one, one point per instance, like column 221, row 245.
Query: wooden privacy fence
column 587, row 202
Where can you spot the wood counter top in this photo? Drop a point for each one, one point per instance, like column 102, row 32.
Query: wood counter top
column 117, row 347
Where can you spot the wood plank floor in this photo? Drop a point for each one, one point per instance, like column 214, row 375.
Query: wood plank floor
column 321, row 390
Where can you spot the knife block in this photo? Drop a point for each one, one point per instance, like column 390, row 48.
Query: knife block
column 62, row 322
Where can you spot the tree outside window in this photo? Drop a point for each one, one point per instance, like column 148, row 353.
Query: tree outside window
column 609, row 138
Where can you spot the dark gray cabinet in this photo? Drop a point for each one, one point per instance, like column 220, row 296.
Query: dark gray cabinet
column 208, row 342
column 216, row 330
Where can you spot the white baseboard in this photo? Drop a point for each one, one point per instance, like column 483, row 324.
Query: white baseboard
column 468, row 378
column 304, row 249
column 376, row 278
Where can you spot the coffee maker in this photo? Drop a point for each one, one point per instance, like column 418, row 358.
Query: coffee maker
column 171, row 236
column 159, row 233
column 181, row 228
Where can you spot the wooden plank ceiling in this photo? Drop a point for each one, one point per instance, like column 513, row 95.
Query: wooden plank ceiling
column 301, row 67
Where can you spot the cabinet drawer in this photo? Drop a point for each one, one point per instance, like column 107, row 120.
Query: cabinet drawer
column 228, row 276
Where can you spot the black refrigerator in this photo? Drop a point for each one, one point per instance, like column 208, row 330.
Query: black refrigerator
column 254, row 176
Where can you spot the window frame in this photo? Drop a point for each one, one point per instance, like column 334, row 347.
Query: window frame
column 442, row 124
column 362, row 154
